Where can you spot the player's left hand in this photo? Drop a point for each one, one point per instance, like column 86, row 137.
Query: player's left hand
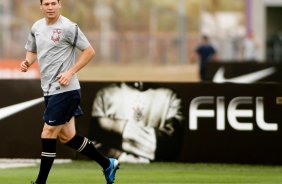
column 64, row 78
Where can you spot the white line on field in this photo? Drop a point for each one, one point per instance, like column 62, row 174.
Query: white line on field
column 15, row 163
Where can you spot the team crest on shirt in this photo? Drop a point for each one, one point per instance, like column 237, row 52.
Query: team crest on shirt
column 138, row 113
column 56, row 35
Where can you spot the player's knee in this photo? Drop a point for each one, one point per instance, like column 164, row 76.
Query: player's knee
column 64, row 138
column 49, row 132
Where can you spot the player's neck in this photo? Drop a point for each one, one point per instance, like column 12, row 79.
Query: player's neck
column 51, row 21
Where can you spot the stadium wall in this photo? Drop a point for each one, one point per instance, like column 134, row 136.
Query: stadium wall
column 231, row 123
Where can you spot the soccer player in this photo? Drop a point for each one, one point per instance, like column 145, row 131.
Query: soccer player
column 52, row 41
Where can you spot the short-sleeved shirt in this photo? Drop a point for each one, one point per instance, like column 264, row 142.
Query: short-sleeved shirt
column 55, row 47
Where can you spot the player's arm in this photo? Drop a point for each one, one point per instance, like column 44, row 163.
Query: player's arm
column 86, row 56
column 30, row 58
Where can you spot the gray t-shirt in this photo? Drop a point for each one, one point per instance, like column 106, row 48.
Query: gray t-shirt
column 55, row 47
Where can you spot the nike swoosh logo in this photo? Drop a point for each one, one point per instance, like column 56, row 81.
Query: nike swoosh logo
column 247, row 78
column 13, row 109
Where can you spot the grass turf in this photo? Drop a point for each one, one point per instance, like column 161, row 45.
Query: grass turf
column 86, row 172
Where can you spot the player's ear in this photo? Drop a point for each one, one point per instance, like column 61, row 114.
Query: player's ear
column 60, row 5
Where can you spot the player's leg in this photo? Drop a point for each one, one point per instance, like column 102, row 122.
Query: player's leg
column 48, row 154
column 81, row 144
column 57, row 113
column 85, row 146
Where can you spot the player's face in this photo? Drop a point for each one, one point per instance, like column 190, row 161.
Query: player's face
column 50, row 9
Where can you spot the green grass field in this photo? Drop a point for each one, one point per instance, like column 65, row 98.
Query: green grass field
column 86, row 172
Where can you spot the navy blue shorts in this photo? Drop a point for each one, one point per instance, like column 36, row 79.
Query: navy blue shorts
column 60, row 108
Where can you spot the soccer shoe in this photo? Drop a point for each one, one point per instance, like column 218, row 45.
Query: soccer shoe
column 110, row 172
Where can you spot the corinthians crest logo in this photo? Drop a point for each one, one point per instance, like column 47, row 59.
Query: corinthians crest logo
column 56, row 35
column 138, row 113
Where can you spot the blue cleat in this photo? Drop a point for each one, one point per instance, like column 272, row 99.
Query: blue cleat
column 111, row 171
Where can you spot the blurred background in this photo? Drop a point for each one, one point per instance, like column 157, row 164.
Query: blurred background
column 155, row 41
column 152, row 36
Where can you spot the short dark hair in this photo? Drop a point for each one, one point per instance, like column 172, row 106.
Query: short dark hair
column 42, row 0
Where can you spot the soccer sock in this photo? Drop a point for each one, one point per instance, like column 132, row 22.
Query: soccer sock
column 86, row 147
column 47, row 158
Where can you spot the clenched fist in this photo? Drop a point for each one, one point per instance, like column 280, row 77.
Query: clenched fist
column 24, row 66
